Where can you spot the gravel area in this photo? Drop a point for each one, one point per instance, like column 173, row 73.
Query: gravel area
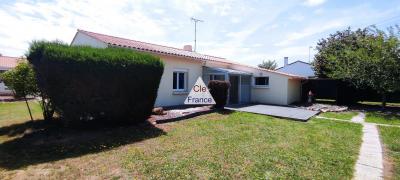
column 325, row 107
column 179, row 113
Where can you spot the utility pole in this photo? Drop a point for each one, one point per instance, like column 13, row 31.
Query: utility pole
column 309, row 53
column 195, row 30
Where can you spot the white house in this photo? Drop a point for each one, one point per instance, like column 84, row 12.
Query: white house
column 183, row 67
column 299, row 68
column 6, row 63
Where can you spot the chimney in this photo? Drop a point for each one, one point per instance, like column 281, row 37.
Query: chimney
column 285, row 61
column 187, row 48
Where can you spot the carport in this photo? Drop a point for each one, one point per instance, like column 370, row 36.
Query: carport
column 240, row 90
column 277, row 111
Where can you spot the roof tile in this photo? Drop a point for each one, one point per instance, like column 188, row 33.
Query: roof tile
column 7, row 62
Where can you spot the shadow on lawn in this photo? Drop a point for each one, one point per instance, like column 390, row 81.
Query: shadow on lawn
column 374, row 107
column 39, row 142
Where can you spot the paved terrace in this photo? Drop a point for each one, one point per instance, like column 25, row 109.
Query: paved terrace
column 277, row 111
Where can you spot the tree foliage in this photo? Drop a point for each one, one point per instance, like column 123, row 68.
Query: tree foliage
column 22, row 81
column 268, row 64
column 366, row 58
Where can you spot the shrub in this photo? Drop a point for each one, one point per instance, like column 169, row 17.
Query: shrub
column 22, row 81
column 219, row 91
column 85, row 83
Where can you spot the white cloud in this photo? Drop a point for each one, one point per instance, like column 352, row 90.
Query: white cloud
column 237, row 30
column 23, row 22
column 309, row 31
column 312, row 3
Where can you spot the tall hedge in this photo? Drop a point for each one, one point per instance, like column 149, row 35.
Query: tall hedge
column 85, row 83
column 219, row 91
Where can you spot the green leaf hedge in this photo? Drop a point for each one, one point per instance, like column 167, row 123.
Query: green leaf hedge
column 85, row 83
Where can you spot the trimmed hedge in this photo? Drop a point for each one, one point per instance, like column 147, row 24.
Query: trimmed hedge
column 219, row 91
column 85, row 83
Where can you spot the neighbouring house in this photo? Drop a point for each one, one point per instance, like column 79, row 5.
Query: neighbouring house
column 183, row 66
column 299, row 68
column 6, row 63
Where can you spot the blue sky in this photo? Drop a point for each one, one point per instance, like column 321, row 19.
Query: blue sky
column 244, row 31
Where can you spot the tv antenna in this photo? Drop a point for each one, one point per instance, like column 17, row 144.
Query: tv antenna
column 195, row 30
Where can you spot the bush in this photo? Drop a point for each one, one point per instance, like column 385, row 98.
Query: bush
column 219, row 91
column 85, row 83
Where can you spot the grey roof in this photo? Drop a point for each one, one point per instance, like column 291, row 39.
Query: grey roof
column 230, row 71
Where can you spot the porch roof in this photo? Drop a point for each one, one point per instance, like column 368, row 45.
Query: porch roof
column 229, row 71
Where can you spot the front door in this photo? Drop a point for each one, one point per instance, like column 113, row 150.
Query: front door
column 234, row 90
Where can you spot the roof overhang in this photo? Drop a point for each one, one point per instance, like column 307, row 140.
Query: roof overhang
column 230, row 71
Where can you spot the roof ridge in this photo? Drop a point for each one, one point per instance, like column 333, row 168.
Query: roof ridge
column 85, row 31
column 9, row 56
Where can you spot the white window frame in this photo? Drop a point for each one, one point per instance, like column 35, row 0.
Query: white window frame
column 260, row 86
column 185, row 80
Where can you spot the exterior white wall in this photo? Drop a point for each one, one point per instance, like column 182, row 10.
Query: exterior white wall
column 85, row 40
column 166, row 96
column 279, row 92
column 298, row 68
column 293, row 91
column 275, row 93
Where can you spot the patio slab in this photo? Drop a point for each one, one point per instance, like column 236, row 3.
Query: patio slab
column 277, row 111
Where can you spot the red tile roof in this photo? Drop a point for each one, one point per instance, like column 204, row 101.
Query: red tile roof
column 160, row 49
column 149, row 47
column 8, row 62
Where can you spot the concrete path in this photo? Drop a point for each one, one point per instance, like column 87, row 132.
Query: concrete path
column 370, row 159
column 359, row 118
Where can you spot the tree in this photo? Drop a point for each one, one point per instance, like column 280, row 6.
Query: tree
column 268, row 64
column 22, row 81
column 365, row 58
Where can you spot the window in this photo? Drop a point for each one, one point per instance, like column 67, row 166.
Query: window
column 261, row 81
column 179, row 81
column 217, row 77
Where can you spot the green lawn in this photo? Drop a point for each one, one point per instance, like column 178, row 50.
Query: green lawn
column 243, row 145
column 214, row 146
column 13, row 112
column 391, row 139
column 379, row 103
column 383, row 118
column 339, row 115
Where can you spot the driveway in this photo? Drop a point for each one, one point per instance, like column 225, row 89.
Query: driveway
column 277, row 111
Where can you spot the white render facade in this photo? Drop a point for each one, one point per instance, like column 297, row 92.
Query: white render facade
column 248, row 84
column 299, row 68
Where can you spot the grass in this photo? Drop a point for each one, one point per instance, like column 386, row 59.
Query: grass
column 372, row 103
column 339, row 115
column 391, row 140
column 214, row 146
column 242, row 145
column 383, row 117
column 14, row 112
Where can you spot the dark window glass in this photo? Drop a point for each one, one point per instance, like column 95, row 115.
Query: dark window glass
column 181, row 80
column 219, row 77
column 262, row 81
column 174, row 86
